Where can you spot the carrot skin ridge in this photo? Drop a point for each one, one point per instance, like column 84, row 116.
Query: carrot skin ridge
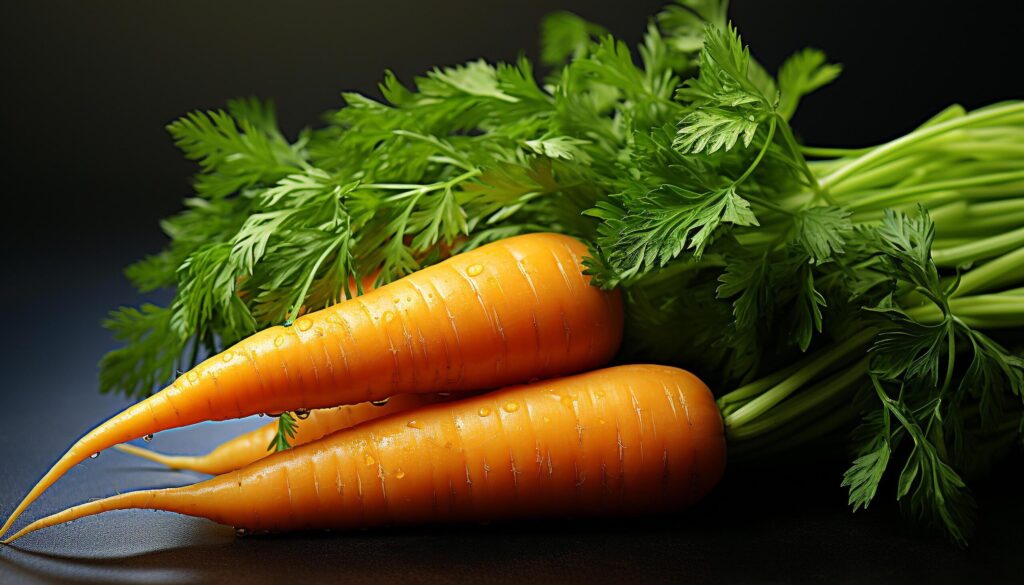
column 251, row 446
column 507, row 312
column 623, row 440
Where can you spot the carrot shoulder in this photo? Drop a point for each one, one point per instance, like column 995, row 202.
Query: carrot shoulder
column 507, row 312
column 629, row 439
column 251, row 446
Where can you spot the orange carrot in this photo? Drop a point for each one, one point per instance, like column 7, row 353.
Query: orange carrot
column 251, row 446
column 248, row 447
column 629, row 439
column 507, row 312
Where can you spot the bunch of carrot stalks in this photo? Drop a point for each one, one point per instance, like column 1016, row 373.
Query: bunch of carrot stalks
column 626, row 439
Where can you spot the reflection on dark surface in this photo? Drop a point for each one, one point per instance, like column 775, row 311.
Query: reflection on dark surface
column 767, row 525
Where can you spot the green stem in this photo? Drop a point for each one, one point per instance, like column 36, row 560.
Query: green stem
column 1004, row 270
column 820, row 363
column 902, row 144
column 833, row 152
column 410, row 189
column 883, row 174
column 950, row 363
column 978, row 311
column 976, row 226
column 995, row 208
column 952, row 213
column 980, row 249
column 760, row 155
column 980, row 148
column 890, row 196
column 994, row 192
column 794, row 149
column 731, row 401
column 807, row 401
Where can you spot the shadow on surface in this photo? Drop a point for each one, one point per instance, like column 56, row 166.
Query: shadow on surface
column 754, row 529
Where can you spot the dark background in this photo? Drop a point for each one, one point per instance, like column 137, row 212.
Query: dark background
column 88, row 170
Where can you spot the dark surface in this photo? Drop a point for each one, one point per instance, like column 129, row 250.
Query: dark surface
column 87, row 89
column 778, row 524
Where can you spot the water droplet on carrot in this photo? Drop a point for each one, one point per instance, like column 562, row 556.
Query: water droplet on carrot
column 148, row 437
column 415, row 424
column 94, row 455
column 228, row 356
column 279, row 341
column 192, row 376
column 600, row 393
column 388, row 316
column 547, row 420
column 601, row 420
column 370, row 460
column 380, row 402
column 304, row 324
column 399, row 474
column 302, row 413
column 475, row 270
column 484, row 411
column 511, row 406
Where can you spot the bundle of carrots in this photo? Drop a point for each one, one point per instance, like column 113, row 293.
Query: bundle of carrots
column 618, row 440
column 816, row 288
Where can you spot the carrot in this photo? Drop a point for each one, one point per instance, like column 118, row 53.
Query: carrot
column 507, row 312
column 251, row 446
column 629, row 439
column 248, row 447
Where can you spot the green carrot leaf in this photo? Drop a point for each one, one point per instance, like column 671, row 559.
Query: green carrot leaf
column 151, row 351
column 865, row 475
column 801, row 74
column 236, row 149
column 822, row 232
column 564, row 35
column 287, row 426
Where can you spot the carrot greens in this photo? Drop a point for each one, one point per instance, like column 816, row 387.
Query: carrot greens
column 286, row 429
column 827, row 287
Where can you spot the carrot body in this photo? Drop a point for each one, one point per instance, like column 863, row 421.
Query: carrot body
column 248, row 447
column 252, row 446
column 629, row 439
column 507, row 312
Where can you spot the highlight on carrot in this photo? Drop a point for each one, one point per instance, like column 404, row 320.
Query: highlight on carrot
column 627, row 439
column 507, row 312
column 252, row 446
